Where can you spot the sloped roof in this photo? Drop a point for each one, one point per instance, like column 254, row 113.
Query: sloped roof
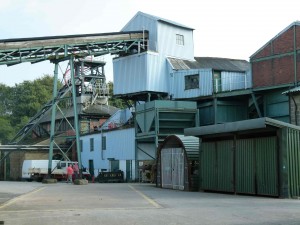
column 158, row 19
column 244, row 125
column 99, row 110
column 224, row 64
column 293, row 90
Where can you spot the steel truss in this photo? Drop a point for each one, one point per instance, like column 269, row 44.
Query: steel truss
column 57, row 49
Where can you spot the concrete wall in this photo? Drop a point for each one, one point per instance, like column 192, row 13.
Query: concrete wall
column 16, row 161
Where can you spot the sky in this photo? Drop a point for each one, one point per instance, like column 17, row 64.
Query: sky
column 223, row 28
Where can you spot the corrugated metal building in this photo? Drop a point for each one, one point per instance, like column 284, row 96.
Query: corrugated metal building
column 147, row 72
column 257, row 157
column 110, row 150
column 208, row 75
column 158, row 119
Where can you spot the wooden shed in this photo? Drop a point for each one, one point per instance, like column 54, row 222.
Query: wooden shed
column 177, row 163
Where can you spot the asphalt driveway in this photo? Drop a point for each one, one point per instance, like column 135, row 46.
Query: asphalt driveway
column 133, row 203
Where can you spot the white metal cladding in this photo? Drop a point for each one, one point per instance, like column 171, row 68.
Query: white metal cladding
column 167, row 41
column 139, row 73
column 87, row 155
column 146, row 151
column 118, row 119
column 120, row 144
column 177, row 80
column 233, row 81
column 249, row 79
column 144, row 22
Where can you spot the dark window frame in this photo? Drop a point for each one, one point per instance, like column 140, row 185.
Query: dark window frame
column 92, row 144
column 103, row 142
column 191, row 82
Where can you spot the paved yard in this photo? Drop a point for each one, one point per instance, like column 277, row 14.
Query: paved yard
column 141, row 204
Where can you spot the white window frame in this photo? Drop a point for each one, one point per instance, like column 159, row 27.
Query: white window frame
column 179, row 39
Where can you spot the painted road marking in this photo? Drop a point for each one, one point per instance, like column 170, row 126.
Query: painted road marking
column 5, row 204
column 151, row 201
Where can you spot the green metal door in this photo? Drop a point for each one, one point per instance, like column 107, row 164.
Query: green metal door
column 225, row 165
column 128, row 170
column 245, row 174
column 216, row 162
column 266, row 166
column 91, row 167
column 208, row 166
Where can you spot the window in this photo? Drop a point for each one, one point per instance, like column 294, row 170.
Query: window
column 191, row 81
column 81, row 145
column 104, row 143
column 179, row 39
column 92, row 144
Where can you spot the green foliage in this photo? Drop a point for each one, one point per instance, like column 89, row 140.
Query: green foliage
column 5, row 100
column 21, row 102
column 29, row 97
column 6, row 130
column 116, row 102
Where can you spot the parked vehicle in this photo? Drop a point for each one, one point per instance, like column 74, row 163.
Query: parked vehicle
column 38, row 170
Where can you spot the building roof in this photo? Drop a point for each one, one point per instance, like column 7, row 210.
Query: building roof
column 92, row 110
column 224, row 64
column 158, row 19
column 243, row 125
column 296, row 23
column 293, row 90
column 189, row 143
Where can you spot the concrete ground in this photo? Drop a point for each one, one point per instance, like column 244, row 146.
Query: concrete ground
column 33, row 203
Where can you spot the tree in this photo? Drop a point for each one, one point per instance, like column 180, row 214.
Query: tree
column 6, row 130
column 29, row 97
column 116, row 102
column 5, row 99
column 21, row 102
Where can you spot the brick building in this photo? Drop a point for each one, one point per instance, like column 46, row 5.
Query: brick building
column 275, row 75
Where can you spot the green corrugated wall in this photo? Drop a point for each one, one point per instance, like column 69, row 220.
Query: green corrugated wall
column 208, row 170
column 217, row 166
column 256, row 166
column 225, row 165
column 266, row 166
column 245, row 165
column 293, row 156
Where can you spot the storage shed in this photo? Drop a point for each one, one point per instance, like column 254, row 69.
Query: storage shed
column 258, row 157
column 177, row 163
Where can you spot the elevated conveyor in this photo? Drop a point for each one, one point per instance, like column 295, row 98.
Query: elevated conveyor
column 37, row 49
column 61, row 48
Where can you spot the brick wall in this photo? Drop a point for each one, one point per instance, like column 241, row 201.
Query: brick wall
column 276, row 61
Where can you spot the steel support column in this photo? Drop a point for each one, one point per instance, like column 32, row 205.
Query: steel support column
column 76, row 124
column 53, row 119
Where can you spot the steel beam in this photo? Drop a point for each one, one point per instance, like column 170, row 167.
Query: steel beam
column 76, row 123
column 53, row 116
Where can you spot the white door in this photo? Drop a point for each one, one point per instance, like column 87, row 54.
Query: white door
column 172, row 168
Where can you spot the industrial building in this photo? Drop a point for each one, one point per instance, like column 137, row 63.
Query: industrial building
column 242, row 116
